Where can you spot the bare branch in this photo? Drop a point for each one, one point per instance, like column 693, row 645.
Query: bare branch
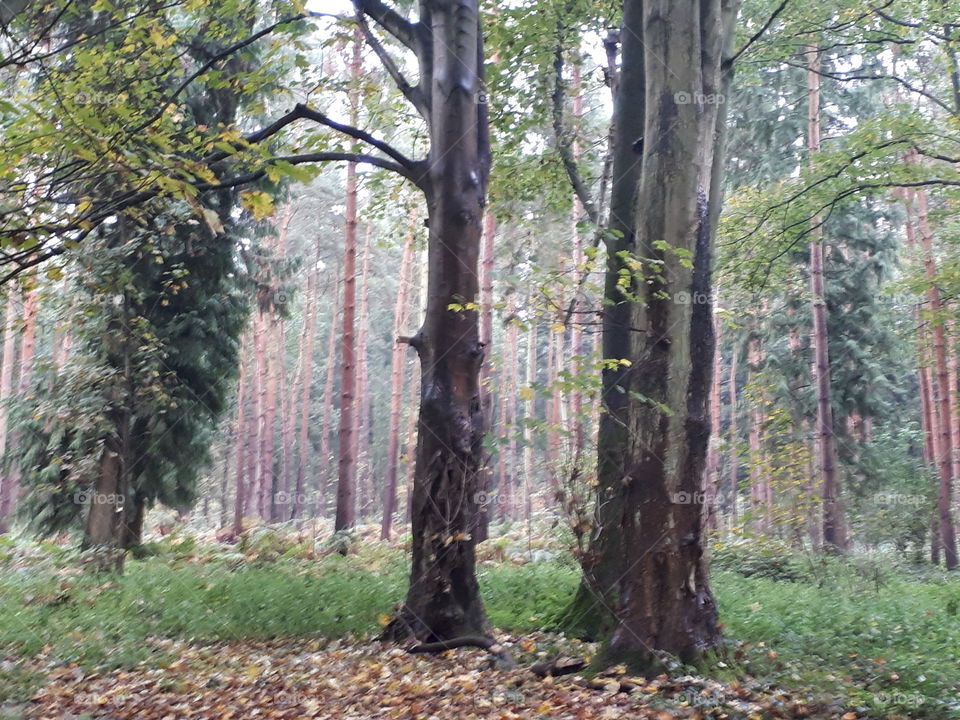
column 757, row 35
column 564, row 142
column 390, row 20
column 357, row 134
column 410, row 92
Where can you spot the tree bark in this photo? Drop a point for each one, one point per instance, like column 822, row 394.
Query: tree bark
column 241, row 437
column 590, row 614
column 666, row 603
column 941, row 396
column 833, row 524
column 303, row 385
column 346, row 482
column 326, row 409
column 733, row 439
column 6, row 388
column 443, row 599
column 396, row 386
column 362, row 417
column 486, row 337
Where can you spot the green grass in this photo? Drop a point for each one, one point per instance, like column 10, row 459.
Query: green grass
column 894, row 645
column 872, row 635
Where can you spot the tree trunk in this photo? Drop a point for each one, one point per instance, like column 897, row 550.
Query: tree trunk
column 941, row 396
column 286, row 502
column 712, row 481
column 6, row 388
column 326, row 409
column 10, row 486
column 486, row 337
column 590, row 614
column 443, row 599
column 241, row 437
column 302, row 387
column 396, row 387
column 529, row 414
column 347, row 464
column 733, row 439
column 666, row 603
column 833, row 524
column 362, row 417
column 268, row 416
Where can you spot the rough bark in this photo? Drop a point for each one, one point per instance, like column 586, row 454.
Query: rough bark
column 443, row 599
column 590, row 613
column 666, row 602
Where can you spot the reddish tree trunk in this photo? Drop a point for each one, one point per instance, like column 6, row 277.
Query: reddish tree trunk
column 303, row 385
column 362, row 417
column 396, row 388
column 241, row 438
column 833, row 523
column 346, row 482
column 941, row 398
column 326, row 409
column 7, row 491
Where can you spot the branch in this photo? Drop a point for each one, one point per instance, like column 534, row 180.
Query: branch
column 410, row 92
column 358, row 134
column 563, row 141
column 758, row 34
column 309, row 158
column 390, row 20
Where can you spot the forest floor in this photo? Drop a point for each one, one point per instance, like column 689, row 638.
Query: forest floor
column 276, row 627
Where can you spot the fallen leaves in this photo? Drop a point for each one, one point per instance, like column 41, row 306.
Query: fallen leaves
column 352, row 681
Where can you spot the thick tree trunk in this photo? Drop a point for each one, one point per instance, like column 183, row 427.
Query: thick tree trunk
column 666, row 603
column 443, row 599
column 103, row 520
column 833, row 523
column 396, row 389
column 591, row 612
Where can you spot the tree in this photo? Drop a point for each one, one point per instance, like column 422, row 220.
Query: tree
column 666, row 603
